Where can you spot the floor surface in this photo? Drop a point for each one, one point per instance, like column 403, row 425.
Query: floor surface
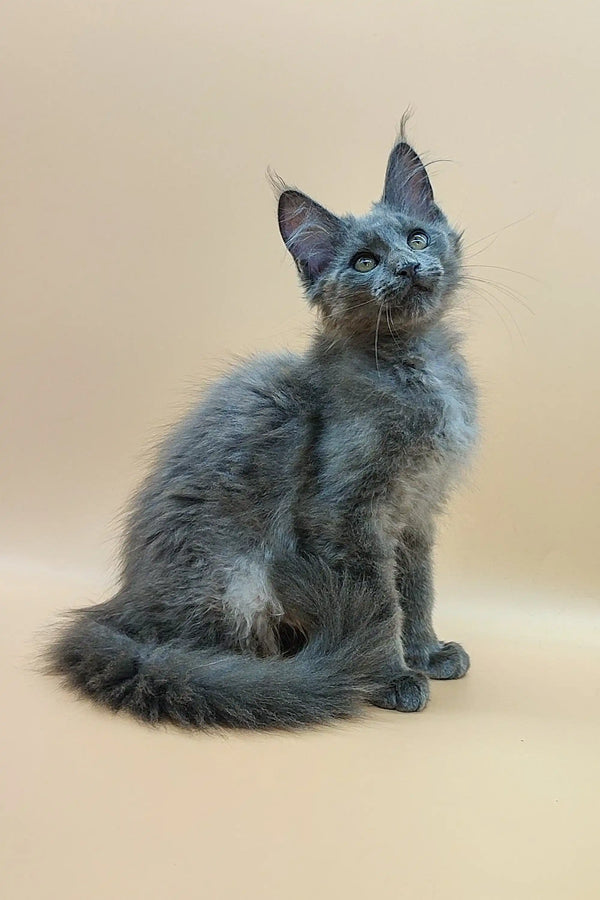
column 491, row 792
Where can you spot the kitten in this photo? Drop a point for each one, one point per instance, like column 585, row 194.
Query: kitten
column 277, row 562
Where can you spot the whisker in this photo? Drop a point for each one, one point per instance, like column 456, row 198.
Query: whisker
column 505, row 269
column 470, row 256
column 347, row 309
column 390, row 326
column 376, row 337
column 514, row 294
column 491, row 300
column 499, row 231
column 488, row 300
column 508, row 292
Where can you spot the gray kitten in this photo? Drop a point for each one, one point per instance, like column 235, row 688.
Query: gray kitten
column 277, row 563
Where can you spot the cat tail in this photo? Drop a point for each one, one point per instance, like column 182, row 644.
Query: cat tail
column 339, row 667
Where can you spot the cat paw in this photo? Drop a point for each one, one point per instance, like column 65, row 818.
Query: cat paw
column 450, row 661
column 407, row 692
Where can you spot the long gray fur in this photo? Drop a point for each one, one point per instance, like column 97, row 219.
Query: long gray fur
column 277, row 562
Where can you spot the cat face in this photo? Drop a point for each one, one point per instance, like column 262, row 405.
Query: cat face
column 400, row 261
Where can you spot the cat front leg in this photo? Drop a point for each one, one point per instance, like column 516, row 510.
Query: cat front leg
column 414, row 581
column 401, row 687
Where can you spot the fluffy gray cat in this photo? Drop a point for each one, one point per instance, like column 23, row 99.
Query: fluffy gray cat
column 277, row 562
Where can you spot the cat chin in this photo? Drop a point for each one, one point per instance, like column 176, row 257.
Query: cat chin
column 418, row 306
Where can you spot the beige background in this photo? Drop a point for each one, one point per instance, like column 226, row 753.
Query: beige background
column 140, row 253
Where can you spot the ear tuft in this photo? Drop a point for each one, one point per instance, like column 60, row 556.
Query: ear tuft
column 310, row 232
column 278, row 185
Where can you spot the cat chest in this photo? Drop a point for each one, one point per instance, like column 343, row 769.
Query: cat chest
column 416, row 492
column 434, row 442
column 398, row 456
column 434, row 416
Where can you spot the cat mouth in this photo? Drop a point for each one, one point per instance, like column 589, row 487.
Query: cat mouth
column 400, row 295
column 412, row 294
column 417, row 289
column 415, row 303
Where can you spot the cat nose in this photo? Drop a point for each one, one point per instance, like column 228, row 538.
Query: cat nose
column 408, row 270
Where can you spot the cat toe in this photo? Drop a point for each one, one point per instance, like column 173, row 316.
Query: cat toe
column 408, row 692
column 450, row 661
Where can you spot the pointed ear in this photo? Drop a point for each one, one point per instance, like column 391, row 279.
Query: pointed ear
column 407, row 185
column 310, row 232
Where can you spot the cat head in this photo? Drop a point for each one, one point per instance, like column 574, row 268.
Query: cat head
column 400, row 261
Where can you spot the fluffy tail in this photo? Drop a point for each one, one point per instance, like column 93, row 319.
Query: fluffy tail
column 328, row 678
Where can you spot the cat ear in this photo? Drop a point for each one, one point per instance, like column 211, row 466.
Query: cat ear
column 310, row 232
column 407, row 186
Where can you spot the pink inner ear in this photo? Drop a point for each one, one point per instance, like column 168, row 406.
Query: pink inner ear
column 309, row 230
column 312, row 247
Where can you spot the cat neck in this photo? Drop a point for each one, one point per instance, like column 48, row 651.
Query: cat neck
column 438, row 338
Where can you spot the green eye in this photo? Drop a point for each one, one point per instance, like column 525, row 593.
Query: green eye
column 417, row 240
column 364, row 262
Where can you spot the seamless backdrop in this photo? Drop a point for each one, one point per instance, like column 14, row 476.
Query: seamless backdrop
column 140, row 256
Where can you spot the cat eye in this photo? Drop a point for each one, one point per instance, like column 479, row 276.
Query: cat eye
column 417, row 240
column 364, row 262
